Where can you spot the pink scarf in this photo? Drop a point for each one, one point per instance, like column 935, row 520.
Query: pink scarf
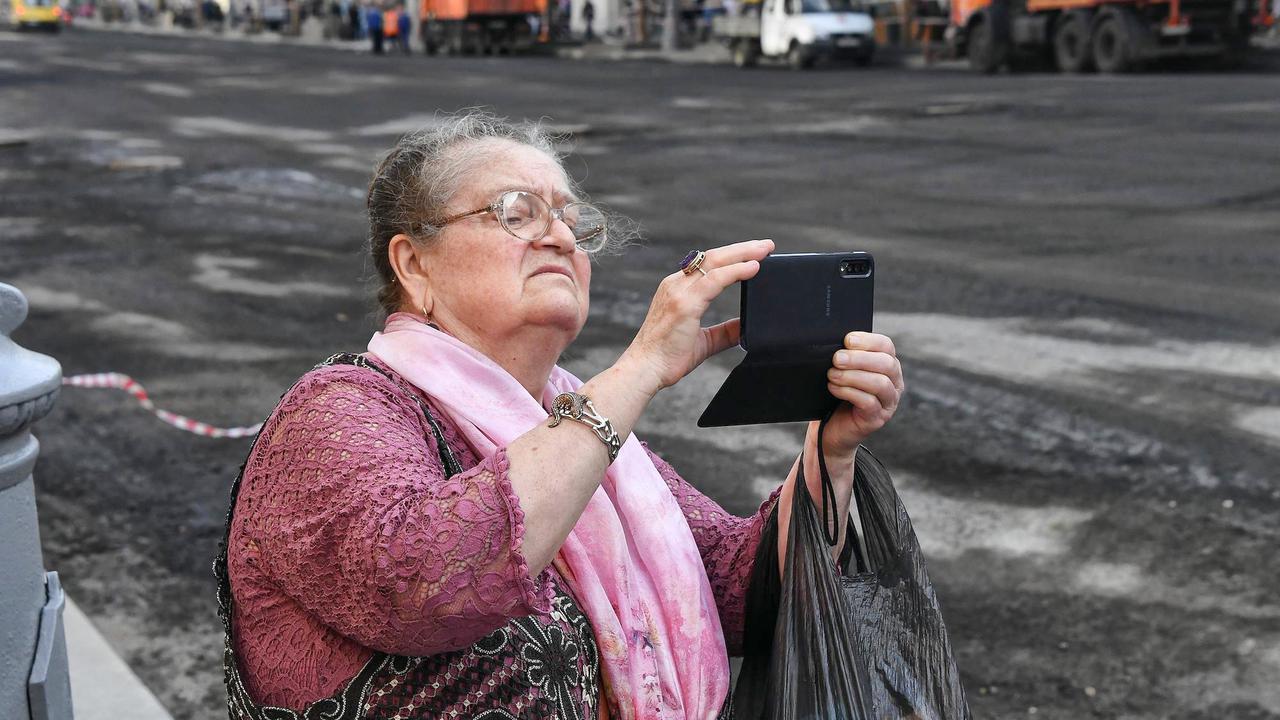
column 649, row 601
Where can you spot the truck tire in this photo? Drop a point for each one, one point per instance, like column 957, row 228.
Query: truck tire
column 798, row 58
column 989, row 38
column 1112, row 44
column 1072, row 43
column 1235, row 37
column 450, row 38
column 429, row 36
column 746, row 52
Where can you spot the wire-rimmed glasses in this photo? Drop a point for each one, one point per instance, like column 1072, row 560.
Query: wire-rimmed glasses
column 525, row 215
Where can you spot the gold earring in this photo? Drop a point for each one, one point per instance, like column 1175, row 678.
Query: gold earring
column 426, row 314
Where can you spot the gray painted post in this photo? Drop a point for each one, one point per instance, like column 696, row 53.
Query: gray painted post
column 33, row 650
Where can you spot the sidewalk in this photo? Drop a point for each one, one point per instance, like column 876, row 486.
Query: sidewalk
column 708, row 53
column 102, row 685
column 311, row 35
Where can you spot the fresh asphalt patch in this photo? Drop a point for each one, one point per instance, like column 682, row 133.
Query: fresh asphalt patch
column 1079, row 274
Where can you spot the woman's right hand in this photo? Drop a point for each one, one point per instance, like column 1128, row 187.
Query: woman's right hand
column 672, row 341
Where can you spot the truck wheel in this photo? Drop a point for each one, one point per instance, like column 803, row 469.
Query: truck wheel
column 1112, row 45
column 745, row 53
column 454, row 44
column 797, row 58
column 428, row 35
column 986, row 53
column 1072, row 45
column 1236, row 41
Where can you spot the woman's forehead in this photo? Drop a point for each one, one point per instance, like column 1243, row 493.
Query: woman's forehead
column 522, row 168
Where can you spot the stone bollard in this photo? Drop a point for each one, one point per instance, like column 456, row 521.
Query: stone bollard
column 33, row 650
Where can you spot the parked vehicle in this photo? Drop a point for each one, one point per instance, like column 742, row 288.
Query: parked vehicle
column 803, row 32
column 477, row 26
column 1110, row 36
column 275, row 15
column 41, row 14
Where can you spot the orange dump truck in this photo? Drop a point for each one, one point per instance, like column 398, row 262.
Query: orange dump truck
column 479, row 26
column 1106, row 35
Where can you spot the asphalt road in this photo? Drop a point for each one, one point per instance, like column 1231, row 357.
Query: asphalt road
column 1081, row 274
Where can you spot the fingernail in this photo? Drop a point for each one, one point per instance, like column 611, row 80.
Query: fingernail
column 842, row 358
column 851, row 339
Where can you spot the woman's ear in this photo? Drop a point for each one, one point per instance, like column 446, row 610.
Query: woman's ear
column 409, row 262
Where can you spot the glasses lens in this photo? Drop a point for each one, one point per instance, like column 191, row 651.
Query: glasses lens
column 524, row 215
column 588, row 225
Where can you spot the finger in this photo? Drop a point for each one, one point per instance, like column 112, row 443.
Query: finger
column 878, row 362
column 737, row 252
column 720, row 278
column 864, row 401
column 879, row 385
column 723, row 336
column 873, row 342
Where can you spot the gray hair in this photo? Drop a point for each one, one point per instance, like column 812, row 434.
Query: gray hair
column 417, row 178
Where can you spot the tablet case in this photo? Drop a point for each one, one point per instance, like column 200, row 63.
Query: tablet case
column 795, row 314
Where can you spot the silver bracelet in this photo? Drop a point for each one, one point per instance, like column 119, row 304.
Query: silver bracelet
column 577, row 407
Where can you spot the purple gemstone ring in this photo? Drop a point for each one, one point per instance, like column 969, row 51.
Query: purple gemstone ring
column 693, row 261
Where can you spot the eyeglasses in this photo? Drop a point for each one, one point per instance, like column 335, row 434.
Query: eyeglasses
column 528, row 217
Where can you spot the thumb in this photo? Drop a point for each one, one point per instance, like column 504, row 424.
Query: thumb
column 723, row 336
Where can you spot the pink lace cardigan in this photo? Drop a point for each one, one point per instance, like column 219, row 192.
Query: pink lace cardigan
column 348, row 537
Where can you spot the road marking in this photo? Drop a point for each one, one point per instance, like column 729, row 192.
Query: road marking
column 226, row 127
column 219, row 273
column 167, row 89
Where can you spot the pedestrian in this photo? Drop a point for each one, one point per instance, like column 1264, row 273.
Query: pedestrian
column 353, row 19
column 930, row 27
column 373, row 21
column 404, row 32
column 589, row 17
column 412, row 535
column 391, row 25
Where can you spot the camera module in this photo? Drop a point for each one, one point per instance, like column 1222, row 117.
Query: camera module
column 855, row 268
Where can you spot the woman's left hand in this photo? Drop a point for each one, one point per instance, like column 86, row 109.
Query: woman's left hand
column 867, row 376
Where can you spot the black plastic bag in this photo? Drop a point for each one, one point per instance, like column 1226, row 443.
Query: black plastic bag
column 865, row 644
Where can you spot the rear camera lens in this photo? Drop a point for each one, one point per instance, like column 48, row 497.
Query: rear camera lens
column 855, row 268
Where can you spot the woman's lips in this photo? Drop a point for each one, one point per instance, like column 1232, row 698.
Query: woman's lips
column 556, row 269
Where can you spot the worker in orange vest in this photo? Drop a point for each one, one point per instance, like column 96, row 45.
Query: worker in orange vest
column 391, row 24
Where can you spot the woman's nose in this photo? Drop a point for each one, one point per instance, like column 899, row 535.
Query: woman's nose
column 559, row 237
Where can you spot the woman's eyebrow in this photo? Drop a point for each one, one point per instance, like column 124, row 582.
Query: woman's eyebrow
column 557, row 197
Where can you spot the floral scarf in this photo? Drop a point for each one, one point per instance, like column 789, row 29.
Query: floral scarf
column 633, row 564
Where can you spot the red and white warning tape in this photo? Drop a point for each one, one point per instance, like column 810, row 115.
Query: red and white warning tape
column 131, row 386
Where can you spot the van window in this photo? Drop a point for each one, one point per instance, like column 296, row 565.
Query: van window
column 823, row 6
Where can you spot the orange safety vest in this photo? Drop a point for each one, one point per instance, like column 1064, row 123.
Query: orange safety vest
column 391, row 23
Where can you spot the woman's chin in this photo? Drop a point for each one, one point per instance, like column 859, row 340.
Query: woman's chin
column 562, row 314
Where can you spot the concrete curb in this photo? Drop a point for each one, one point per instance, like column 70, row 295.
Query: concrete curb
column 709, row 53
column 263, row 38
column 102, row 685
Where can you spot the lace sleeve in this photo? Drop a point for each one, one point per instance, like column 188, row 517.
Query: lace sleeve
column 727, row 544
column 353, row 518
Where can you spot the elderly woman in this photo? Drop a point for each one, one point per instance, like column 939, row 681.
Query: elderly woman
column 414, row 537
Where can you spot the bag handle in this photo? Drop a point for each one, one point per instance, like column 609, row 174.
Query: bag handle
column 830, row 523
column 829, row 529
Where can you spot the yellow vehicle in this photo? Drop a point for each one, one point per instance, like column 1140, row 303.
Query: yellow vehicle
column 45, row 14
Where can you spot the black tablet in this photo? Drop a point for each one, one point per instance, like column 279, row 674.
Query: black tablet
column 795, row 314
